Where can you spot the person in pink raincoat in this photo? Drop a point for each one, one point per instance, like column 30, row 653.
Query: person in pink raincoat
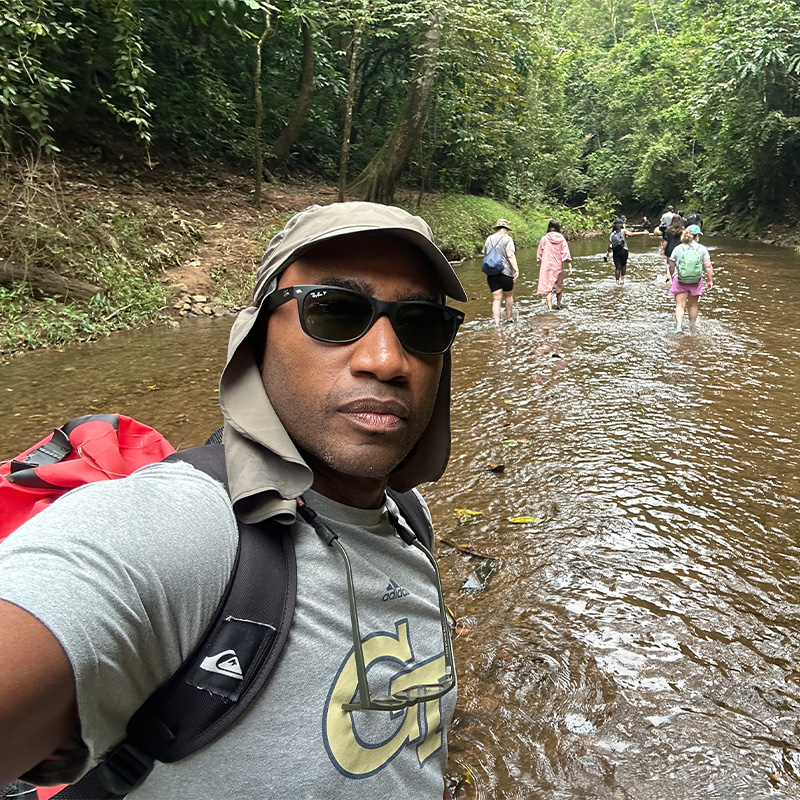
column 553, row 254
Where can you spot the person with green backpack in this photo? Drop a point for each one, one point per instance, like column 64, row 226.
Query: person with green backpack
column 688, row 263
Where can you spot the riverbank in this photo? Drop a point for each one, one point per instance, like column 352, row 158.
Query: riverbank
column 89, row 247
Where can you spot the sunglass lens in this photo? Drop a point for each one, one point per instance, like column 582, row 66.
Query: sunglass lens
column 336, row 315
column 425, row 327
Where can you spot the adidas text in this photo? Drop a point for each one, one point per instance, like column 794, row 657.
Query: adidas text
column 394, row 590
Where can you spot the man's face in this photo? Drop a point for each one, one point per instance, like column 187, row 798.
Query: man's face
column 354, row 410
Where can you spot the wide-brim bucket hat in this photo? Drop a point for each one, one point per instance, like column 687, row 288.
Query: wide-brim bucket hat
column 265, row 470
column 502, row 223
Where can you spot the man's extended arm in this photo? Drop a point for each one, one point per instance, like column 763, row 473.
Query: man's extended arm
column 38, row 707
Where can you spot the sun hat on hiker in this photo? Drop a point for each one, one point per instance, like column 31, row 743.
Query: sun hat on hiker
column 694, row 229
column 502, row 223
column 265, row 471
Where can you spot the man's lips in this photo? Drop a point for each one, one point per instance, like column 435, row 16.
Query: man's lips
column 375, row 415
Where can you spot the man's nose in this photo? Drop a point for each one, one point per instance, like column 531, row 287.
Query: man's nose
column 380, row 353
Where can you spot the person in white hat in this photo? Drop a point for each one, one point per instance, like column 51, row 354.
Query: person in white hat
column 502, row 285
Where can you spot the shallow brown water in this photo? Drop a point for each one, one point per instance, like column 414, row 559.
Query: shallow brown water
column 640, row 637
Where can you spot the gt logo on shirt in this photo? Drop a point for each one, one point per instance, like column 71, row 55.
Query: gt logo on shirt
column 348, row 747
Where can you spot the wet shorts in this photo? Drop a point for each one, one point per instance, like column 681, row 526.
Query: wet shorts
column 504, row 282
column 679, row 288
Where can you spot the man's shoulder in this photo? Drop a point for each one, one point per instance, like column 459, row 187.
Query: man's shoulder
column 157, row 504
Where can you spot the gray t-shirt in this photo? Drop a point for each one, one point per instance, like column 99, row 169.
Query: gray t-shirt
column 505, row 245
column 127, row 575
column 676, row 254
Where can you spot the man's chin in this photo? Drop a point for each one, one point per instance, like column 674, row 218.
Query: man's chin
column 367, row 463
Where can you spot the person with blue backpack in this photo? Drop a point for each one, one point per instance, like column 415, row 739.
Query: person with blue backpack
column 336, row 404
column 501, row 269
column 689, row 262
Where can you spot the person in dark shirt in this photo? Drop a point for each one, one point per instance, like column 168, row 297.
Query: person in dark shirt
column 671, row 239
column 694, row 218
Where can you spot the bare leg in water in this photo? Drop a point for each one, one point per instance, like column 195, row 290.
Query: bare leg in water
column 692, row 303
column 497, row 304
column 680, row 308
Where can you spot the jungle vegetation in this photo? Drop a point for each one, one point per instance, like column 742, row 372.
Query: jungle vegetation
column 639, row 102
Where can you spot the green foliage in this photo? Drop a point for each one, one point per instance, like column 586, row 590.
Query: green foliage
column 648, row 102
column 27, row 87
column 461, row 223
column 120, row 248
column 56, row 55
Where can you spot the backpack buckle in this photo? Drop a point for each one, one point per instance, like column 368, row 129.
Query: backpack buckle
column 124, row 769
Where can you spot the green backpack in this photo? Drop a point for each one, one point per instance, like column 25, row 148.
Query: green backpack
column 690, row 265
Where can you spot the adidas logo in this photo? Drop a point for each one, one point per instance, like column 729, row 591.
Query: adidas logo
column 225, row 663
column 394, row 590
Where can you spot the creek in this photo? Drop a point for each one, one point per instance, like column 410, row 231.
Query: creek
column 629, row 613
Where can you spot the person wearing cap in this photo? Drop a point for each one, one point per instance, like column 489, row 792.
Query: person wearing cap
column 502, row 286
column 687, row 295
column 336, row 386
column 618, row 248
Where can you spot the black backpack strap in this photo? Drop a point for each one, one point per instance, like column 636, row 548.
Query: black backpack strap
column 228, row 666
column 411, row 508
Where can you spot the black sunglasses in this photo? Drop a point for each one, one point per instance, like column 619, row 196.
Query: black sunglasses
column 338, row 316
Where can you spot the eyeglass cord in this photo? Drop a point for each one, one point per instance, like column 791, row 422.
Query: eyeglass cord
column 332, row 540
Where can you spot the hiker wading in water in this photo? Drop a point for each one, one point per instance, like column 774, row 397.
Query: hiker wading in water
column 502, row 286
column 553, row 255
column 687, row 294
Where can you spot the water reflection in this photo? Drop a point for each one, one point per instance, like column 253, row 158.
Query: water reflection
column 640, row 639
column 638, row 636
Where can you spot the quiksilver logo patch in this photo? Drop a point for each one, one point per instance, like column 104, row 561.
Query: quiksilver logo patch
column 224, row 663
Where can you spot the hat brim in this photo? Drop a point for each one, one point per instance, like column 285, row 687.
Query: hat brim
column 444, row 269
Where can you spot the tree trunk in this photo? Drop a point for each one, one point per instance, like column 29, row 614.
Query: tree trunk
column 344, row 157
column 259, row 158
column 286, row 141
column 379, row 179
column 44, row 282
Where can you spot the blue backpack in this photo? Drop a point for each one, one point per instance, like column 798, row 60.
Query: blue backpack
column 493, row 260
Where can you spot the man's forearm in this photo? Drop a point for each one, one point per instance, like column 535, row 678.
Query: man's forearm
column 38, row 708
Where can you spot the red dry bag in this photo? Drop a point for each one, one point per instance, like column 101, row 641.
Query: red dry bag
column 98, row 447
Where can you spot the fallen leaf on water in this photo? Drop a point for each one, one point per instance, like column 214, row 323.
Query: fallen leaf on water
column 523, row 520
column 465, row 625
column 467, row 514
column 497, row 467
column 509, row 402
column 152, row 387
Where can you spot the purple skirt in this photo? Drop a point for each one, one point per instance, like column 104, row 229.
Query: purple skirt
column 680, row 288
